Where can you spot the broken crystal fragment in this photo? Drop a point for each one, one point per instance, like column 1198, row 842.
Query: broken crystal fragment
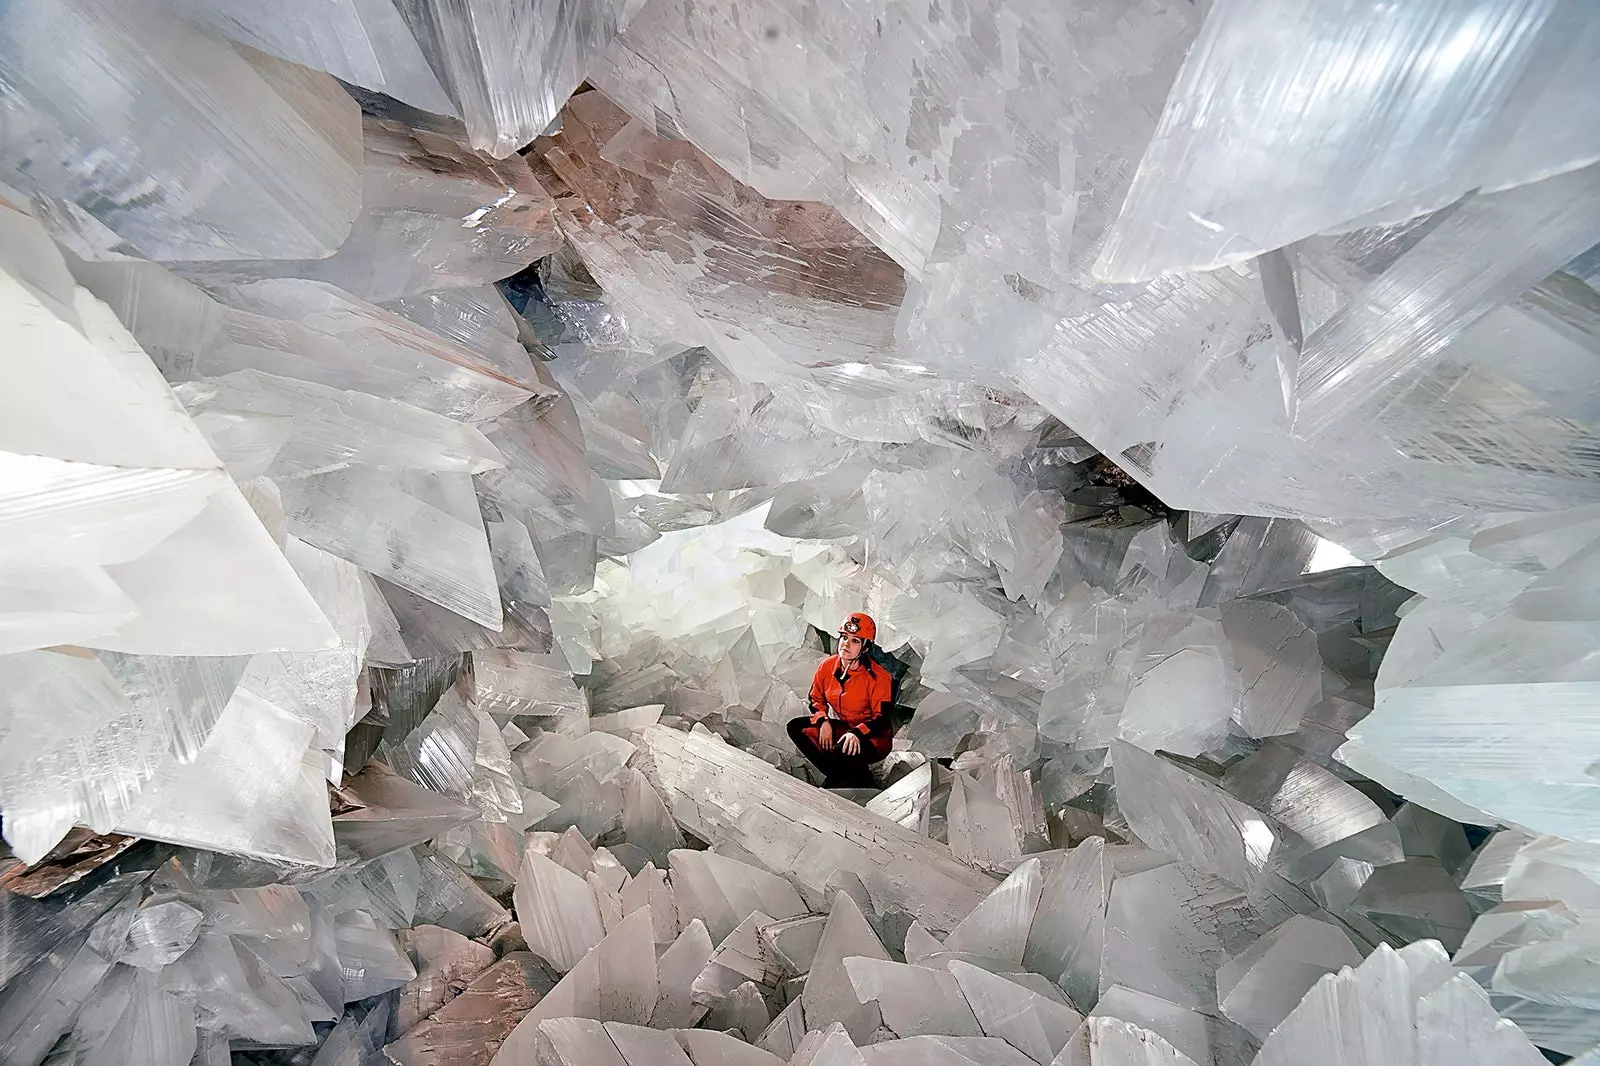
column 161, row 933
column 723, row 892
column 645, row 820
column 570, row 1041
column 371, row 958
column 1167, row 931
column 1280, row 672
column 980, row 827
column 446, row 962
column 679, row 965
column 419, row 529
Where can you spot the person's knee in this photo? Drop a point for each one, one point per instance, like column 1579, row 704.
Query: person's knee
column 797, row 727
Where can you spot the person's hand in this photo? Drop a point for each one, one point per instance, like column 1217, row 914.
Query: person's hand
column 851, row 744
column 825, row 735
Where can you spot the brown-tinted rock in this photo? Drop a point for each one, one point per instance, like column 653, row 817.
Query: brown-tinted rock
column 446, row 963
column 469, row 1029
column 508, row 938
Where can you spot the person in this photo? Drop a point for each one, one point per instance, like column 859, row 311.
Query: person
column 849, row 727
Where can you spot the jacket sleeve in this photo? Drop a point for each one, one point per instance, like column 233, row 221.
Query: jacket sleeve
column 819, row 700
column 882, row 691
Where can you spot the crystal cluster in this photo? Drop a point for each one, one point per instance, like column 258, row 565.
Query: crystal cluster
column 443, row 436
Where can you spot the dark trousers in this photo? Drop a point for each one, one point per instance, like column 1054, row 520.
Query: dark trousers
column 838, row 769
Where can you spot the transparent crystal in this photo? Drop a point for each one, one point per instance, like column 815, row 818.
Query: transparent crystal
column 159, row 103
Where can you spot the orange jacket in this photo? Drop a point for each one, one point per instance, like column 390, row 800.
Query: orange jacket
column 860, row 698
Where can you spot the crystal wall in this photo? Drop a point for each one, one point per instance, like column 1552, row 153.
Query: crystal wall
column 442, row 437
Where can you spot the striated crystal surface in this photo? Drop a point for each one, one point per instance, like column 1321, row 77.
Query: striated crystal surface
column 434, row 215
column 202, row 150
column 1410, row 134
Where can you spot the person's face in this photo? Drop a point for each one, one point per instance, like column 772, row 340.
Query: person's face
column 850, row 646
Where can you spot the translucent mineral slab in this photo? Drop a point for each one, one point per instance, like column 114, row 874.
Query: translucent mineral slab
column 1177, row 812
column 742, row 1011
column 737, row 960
column 1280, row 671
column 723, row 892
column 1551, row 868
column 792, row 267
column 240, row 594
column 829, row 997
column 1562, row 970
column 446, row 963
column 164, row 502
column 979, row 825
column 1440, row 737
column 160, row 933
column 557, row 912
column 914, row 1000
column 42, row 1000
column 827, row 1047
column 372, row 959
column 258, row 788
column 1181, row 704
column 723, row 795
column 680, row 964
column 336, row 587
column 1034, row 1024
column 509, row 68
column 335, row 428
column 722, row 1049
column 1166, row 933
column 1258, row 988
column 944, row 1051
column 434, row 215
column 1494, row 246
column 1316, row 816
column 570, row 1041
column 1068, row 932
column 206, row 151
column 364, row 42
column 380, row 812
column 645, row 821
column 59, row 605
column 1202, row 1037
column 1404, row 1008
column 447, row 558
column 1209, row 192
column 908, row 800
column 85, row 734
column 997, row 929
